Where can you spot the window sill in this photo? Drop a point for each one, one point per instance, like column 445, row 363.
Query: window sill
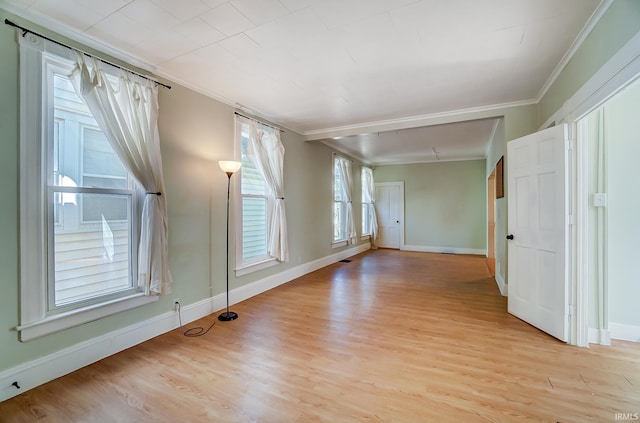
column 256, row 266
column 338, row 244
column 58, row 322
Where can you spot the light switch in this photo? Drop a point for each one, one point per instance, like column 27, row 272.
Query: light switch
column 600, row 199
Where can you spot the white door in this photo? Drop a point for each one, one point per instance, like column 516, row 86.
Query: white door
column 537, row 230
column 389, row 211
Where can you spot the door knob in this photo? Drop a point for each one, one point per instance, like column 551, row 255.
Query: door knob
column 510, row 237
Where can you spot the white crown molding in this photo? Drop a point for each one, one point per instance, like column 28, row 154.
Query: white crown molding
column 577, row 42
column 316, row 134
column 496, row 123
column 458, row 159
column 127, row 58
column 410, row 121
column 224, row 100
column 102, row 47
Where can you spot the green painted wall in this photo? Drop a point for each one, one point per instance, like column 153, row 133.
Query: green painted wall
column 618, row 25
column 445, row 202
column 195, row 132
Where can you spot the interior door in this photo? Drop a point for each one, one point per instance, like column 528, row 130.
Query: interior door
column 388, row 211
column 537, row 230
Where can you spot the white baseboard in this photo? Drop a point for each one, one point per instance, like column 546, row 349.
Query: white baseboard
column 624, row 332
column 444, row 250
column 44, row 369
column 252, row 289
column 599, row 336
column 502, row 286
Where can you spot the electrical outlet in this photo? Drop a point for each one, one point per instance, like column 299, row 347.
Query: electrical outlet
column 176, row 303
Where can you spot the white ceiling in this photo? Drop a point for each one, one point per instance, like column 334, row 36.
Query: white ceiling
column 319, row 65
column 466, row 140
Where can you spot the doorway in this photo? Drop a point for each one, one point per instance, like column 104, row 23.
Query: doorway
column 390, row 211
column 609, row 134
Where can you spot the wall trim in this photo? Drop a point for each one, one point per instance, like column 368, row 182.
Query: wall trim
column 624, row 332
column 252, row 289
column 599, row 336
column 606, row 82
column 575, row 45
column 62, row 362
column 317, row 134
column 502, row 286
column 411, row 121
column 83, row 39
column 444, row 250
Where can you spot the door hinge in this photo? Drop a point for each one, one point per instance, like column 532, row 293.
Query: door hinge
column 572, row 310
column 570, row 144
column 571, row 219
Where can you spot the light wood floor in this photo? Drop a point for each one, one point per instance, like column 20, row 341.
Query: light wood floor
column 390, row 337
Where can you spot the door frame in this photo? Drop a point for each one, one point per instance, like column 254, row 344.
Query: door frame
column 622, row 69
column 491, row 222
column 400, row 185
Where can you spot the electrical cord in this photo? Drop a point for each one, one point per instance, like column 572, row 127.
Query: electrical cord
column 194, row 331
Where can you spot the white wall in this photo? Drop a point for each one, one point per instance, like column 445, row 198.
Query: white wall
column 613, row 133
column 622, row 143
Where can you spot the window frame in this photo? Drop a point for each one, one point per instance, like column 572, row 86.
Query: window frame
column 37, row 124
column 246, row 266
column 343, row 240
column 366, row 233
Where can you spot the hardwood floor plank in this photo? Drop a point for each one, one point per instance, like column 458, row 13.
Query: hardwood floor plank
column 390, row 337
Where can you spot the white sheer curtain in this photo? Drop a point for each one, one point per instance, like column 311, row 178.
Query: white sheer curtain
column 344, row 167
column 368, row 197
column 267, row 153
column 127, row 112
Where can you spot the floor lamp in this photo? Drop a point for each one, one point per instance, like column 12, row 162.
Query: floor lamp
column 229, row 167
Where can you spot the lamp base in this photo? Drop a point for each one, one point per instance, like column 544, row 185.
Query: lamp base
column 228, row 316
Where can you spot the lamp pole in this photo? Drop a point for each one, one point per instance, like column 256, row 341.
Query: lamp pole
column 229, row 167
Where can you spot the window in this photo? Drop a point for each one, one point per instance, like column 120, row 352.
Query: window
column 255, row 204
column 343, row 229
column 367, row 202
column 90, row 248
column 78, row 209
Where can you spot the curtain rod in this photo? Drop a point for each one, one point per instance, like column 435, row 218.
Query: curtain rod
column 26, row 31
column 342, row 157
column 256, row 120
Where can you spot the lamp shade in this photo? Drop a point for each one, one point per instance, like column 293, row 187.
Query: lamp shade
column 229, row 166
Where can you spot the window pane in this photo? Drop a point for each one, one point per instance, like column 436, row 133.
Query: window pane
column 91, row 254
column 104, row 182
column 337, row 181
column 91, row 260
column 365, row 219
column 97, row 206
column 252, row 181
column 99, row 160
column 254, row 227
column 82, row 154
column 338, row 218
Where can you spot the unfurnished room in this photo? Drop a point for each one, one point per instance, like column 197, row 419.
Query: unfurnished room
column 319, row 210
